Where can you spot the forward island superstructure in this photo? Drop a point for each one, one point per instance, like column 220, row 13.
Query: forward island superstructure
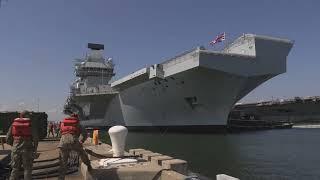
column 197, row 88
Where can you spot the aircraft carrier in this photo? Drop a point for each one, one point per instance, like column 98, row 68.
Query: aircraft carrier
column 194, row 90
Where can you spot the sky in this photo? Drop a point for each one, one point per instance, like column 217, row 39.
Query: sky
column 39, row 39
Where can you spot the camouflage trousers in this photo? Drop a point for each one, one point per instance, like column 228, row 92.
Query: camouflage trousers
column 50, row 131
column 65, row 154
column 21, row 159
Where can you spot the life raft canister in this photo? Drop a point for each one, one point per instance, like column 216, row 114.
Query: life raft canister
column 69, row 125
column 21, row 127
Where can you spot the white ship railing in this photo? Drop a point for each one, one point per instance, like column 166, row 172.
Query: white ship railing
column 95, row 92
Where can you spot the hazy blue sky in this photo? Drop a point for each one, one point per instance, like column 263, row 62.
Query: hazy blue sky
column 40, row 38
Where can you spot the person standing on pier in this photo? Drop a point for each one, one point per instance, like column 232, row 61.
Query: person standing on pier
column 50, row 129
column 57, row 129
column 23, row 140
column 72, row 137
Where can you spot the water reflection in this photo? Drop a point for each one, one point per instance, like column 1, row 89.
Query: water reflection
column 271, row 154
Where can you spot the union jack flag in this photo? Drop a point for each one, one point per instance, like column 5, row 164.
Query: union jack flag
column 221, row 37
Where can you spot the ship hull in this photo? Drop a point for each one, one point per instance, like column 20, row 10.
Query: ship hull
column 167, row 103
column 194, row 90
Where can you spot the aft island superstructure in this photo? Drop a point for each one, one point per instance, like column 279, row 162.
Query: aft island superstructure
column 197, row 88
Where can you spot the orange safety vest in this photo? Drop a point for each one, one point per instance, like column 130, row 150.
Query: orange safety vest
column 70, row 126
column 21, row 127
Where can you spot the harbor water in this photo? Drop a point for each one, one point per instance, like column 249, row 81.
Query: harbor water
column 270, row 154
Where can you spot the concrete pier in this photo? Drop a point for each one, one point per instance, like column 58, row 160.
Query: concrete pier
column 141, row 164
column 149, row 165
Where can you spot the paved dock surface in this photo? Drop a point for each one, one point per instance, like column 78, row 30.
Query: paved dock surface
column 46, row 166
column 48, row 150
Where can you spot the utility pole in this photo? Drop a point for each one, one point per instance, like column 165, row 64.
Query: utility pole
column 38, row 104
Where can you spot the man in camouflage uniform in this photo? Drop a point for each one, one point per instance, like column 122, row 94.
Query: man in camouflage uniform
column 71, row 140
column 22, row 152
column 50, row 129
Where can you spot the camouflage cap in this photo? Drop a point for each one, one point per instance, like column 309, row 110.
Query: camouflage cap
column 24, row 113
column 74, row 115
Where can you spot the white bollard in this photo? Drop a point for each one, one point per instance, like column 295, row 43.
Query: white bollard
column 225, row 177
column 118, row 136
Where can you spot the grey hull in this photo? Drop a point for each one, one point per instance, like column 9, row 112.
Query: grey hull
column 197, row 88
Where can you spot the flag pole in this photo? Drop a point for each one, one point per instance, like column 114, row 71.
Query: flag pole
column 226, row 44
